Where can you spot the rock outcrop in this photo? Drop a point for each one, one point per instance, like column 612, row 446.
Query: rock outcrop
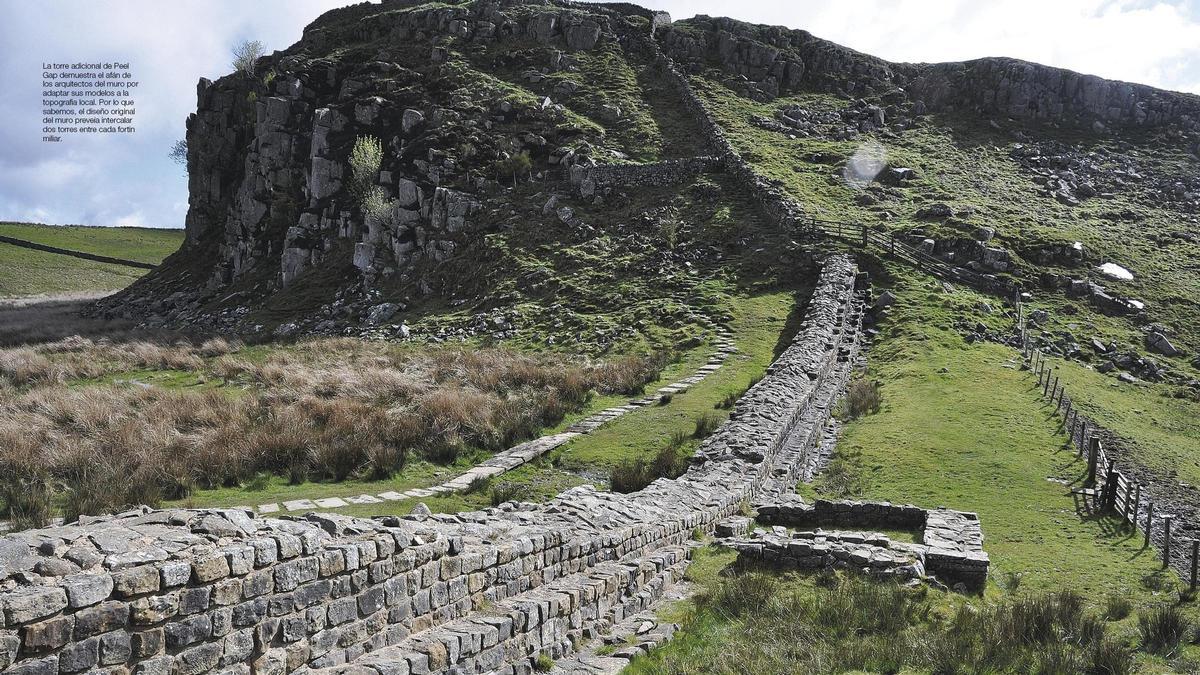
column 273, row 199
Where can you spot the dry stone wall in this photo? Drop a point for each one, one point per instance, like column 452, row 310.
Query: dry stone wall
column 203, row 591
column 951, row 545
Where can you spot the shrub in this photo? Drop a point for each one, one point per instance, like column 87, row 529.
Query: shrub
column 630, row 476
column 1161, row 629
column 1109, row 657
column 384, row 460
column 27, row 498
column 862, row 398
column 508, row 492
column 542, row 663
column 635, row 474
column 245, row 54
column 706, row 424
column 514, row 165
column 843, row 476
column 1117, row 606
column 366, row 157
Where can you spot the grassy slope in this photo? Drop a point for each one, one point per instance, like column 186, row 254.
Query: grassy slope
column 961, row 425
column 977, row 438
column 27, row 272
column 974, row 437
column 141, row 244
column 758, row 322
column 966, row 163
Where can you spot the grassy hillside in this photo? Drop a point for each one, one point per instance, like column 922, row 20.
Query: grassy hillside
column 27, row 272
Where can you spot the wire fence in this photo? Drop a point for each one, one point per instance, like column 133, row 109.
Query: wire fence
column 1106, row 489
column 867, row 238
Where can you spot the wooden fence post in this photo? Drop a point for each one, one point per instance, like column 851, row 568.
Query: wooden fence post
column 1110, row 487
column 1166, row 542
column 1083, row 438
column 1149, row 520
column 1195, row 555
column 1128, row 502
column 1137, row 504
column 1093, row 451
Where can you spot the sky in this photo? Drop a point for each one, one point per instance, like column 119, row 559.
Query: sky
column 129, row 179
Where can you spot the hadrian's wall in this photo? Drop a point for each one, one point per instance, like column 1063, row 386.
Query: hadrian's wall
column 188, row 592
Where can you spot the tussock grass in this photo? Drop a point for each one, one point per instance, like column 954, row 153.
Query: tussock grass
column 862, row 398
column 763, row 622
column 1162, row 628
column 671, row 461
column 325, row 409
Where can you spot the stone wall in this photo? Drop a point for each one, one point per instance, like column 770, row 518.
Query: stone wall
column 189, row 592
column 951, row 545
column 658, row 174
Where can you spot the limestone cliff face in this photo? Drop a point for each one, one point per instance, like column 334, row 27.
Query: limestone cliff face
column 451, row 90
column 268, row 150
column 777, row 60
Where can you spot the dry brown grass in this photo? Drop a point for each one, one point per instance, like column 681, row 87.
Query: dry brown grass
column 328, row 409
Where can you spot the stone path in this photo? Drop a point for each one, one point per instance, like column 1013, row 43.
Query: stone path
column 524, row 453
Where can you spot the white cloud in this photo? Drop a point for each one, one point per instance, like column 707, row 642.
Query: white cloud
column 171, row 44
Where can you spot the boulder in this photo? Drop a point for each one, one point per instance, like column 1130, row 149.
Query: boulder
column 935, row 211
column 382, row 312
column 885, row 299
column 1157, row 342
column 407, row 193
column 582, row 36
column 411, row 120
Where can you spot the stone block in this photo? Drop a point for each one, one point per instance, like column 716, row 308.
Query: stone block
column 199, row 659
column 85, row 590
column 160, row 665
column 47, row 635
column 209, row 568
column 102, row 618
column 136, row 581
column 147, row 643
column 115, row 647
column 24, row 605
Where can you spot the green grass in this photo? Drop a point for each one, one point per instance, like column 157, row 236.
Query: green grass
column 751, row 620
column 758, row 322
column 962, row 427
column 1165, row 431
column 26, row 272
column 139, row 244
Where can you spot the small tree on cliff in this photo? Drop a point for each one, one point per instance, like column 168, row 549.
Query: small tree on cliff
column 514, row 165
column 178, row 154
column 366, row 157
column 245, row 54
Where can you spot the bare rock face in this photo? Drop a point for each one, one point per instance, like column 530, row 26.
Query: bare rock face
column 775, row 61
column 270, row 198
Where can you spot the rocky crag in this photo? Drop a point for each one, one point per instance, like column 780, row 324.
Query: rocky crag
column 455, row 91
